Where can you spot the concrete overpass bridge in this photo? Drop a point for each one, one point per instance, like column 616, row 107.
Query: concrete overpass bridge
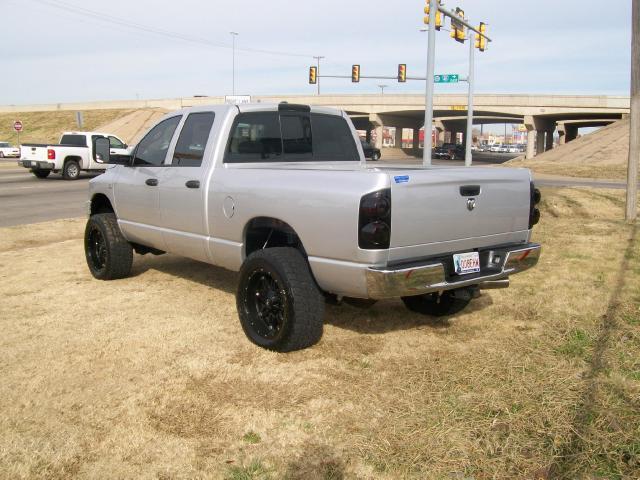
column 541, row 114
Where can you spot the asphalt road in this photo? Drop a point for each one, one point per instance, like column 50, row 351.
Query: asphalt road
column 27, row 199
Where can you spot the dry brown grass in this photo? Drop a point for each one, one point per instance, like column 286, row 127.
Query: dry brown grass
column 152, row 376
column 46, row 127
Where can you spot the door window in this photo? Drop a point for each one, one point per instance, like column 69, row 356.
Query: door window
column 152, row 149
column 255, row 137
column 115, row 142
column 193, row 140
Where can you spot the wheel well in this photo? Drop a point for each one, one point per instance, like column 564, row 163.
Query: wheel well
column 264, row 232
column 77, row 159
column 101, row 204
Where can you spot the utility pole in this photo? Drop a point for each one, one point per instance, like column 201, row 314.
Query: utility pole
column 634, row 123
column 428, row 93
column 469, row 139
column 233, row 61
column 318, row 58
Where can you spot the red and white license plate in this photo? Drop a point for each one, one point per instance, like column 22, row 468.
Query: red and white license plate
column 464, row 263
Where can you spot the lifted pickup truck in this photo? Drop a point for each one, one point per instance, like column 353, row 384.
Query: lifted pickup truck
column 72, row 155
column 283, row 194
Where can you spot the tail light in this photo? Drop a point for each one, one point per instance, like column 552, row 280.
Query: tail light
column 374, row 226
column 534, row 213
column 51, row 154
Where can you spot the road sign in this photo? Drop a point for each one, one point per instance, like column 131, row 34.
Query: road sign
column 446, row 78
column 17, row 126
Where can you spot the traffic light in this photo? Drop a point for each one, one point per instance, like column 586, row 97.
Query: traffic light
column 313, row 75
column 457, row 28
column 427, row 10
column 402, row 72
column 481, row 41
column 355, row 73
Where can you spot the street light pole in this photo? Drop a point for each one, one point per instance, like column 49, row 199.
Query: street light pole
column 428, row 93
column 233, row 61
column 469, row 139
column 318, row 58
column 382, row 87
column 631, row 211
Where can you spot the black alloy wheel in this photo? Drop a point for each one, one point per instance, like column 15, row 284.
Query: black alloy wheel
column 265, row 301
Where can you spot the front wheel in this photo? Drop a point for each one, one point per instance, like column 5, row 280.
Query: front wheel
column 71, row 170
column 437, row 304
column 279, row 305
column 375, row 157
column 109, row 255
column 1, row 154
column 41, row 173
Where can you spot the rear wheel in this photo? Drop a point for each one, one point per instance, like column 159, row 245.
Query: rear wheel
column 71, row 170
column 109, row 255
column 279, row 305
column 41, row 173
column 375, row 157
column 1, row 154
column 438, row 304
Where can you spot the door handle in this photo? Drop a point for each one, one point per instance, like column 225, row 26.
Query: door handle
column 193, row 184
column 152, row 182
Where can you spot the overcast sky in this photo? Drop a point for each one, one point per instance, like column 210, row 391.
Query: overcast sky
column 50, row 54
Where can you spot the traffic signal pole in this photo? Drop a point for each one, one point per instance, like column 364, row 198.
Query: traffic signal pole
column 428, row 93
column 469, row 138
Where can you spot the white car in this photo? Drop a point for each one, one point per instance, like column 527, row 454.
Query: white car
column 496, row 147
column 6, row 150
column 514, row 149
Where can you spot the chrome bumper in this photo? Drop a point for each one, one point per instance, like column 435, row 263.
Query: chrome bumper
column 431, row 276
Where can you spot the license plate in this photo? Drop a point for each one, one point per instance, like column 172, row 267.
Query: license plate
column 464, row 263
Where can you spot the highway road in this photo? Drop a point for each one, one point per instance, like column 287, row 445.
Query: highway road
column 26, row 199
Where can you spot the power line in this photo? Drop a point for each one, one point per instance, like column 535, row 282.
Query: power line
column 138, row 27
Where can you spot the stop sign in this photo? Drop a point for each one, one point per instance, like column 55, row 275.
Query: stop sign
column 17, row 125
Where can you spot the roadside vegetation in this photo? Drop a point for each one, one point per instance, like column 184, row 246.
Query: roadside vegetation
column 46, row 127
column 151, row 376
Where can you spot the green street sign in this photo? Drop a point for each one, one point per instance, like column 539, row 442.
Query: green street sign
column 446, row 78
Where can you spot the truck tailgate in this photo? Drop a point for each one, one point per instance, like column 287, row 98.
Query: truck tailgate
column 451, row 206
column 33, row 152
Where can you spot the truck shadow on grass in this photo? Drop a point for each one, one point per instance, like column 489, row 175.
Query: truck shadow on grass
column 384, row 316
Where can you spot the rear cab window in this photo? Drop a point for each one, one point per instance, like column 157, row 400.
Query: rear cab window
column 290, row 137
column 74, row 140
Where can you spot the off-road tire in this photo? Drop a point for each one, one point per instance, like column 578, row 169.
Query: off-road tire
column 117, row 253
column 302, row 308
column 71, row 170
column 436, row 305
column 41, row 173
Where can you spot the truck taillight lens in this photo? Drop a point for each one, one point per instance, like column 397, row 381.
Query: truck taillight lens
column 534, row 213
column 51, row 154
column 374, row 226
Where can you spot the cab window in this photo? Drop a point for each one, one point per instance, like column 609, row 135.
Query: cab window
column 193, row 140
column 152, row 149
column 255, row 137
column 115, row 142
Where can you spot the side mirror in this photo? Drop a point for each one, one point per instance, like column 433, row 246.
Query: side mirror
column 101, row 150
column 125, row 146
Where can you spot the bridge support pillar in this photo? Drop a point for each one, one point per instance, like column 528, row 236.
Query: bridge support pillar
column 571, row 132
column 549, row 143
column 399, row 137
column 531, row 146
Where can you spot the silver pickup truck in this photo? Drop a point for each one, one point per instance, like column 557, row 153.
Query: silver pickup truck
column 282, row 194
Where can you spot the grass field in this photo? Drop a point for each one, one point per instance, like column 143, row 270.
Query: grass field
column 152, row 377
column 46, row 127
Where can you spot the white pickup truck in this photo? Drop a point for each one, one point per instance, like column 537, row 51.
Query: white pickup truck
column 71, row 156
column 283, row 194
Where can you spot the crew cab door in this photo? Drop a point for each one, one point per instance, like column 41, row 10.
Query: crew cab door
column 182, row 188
column 136, row 190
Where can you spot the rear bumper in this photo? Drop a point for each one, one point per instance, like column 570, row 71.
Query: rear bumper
column 36, row 164
column 431, row 276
